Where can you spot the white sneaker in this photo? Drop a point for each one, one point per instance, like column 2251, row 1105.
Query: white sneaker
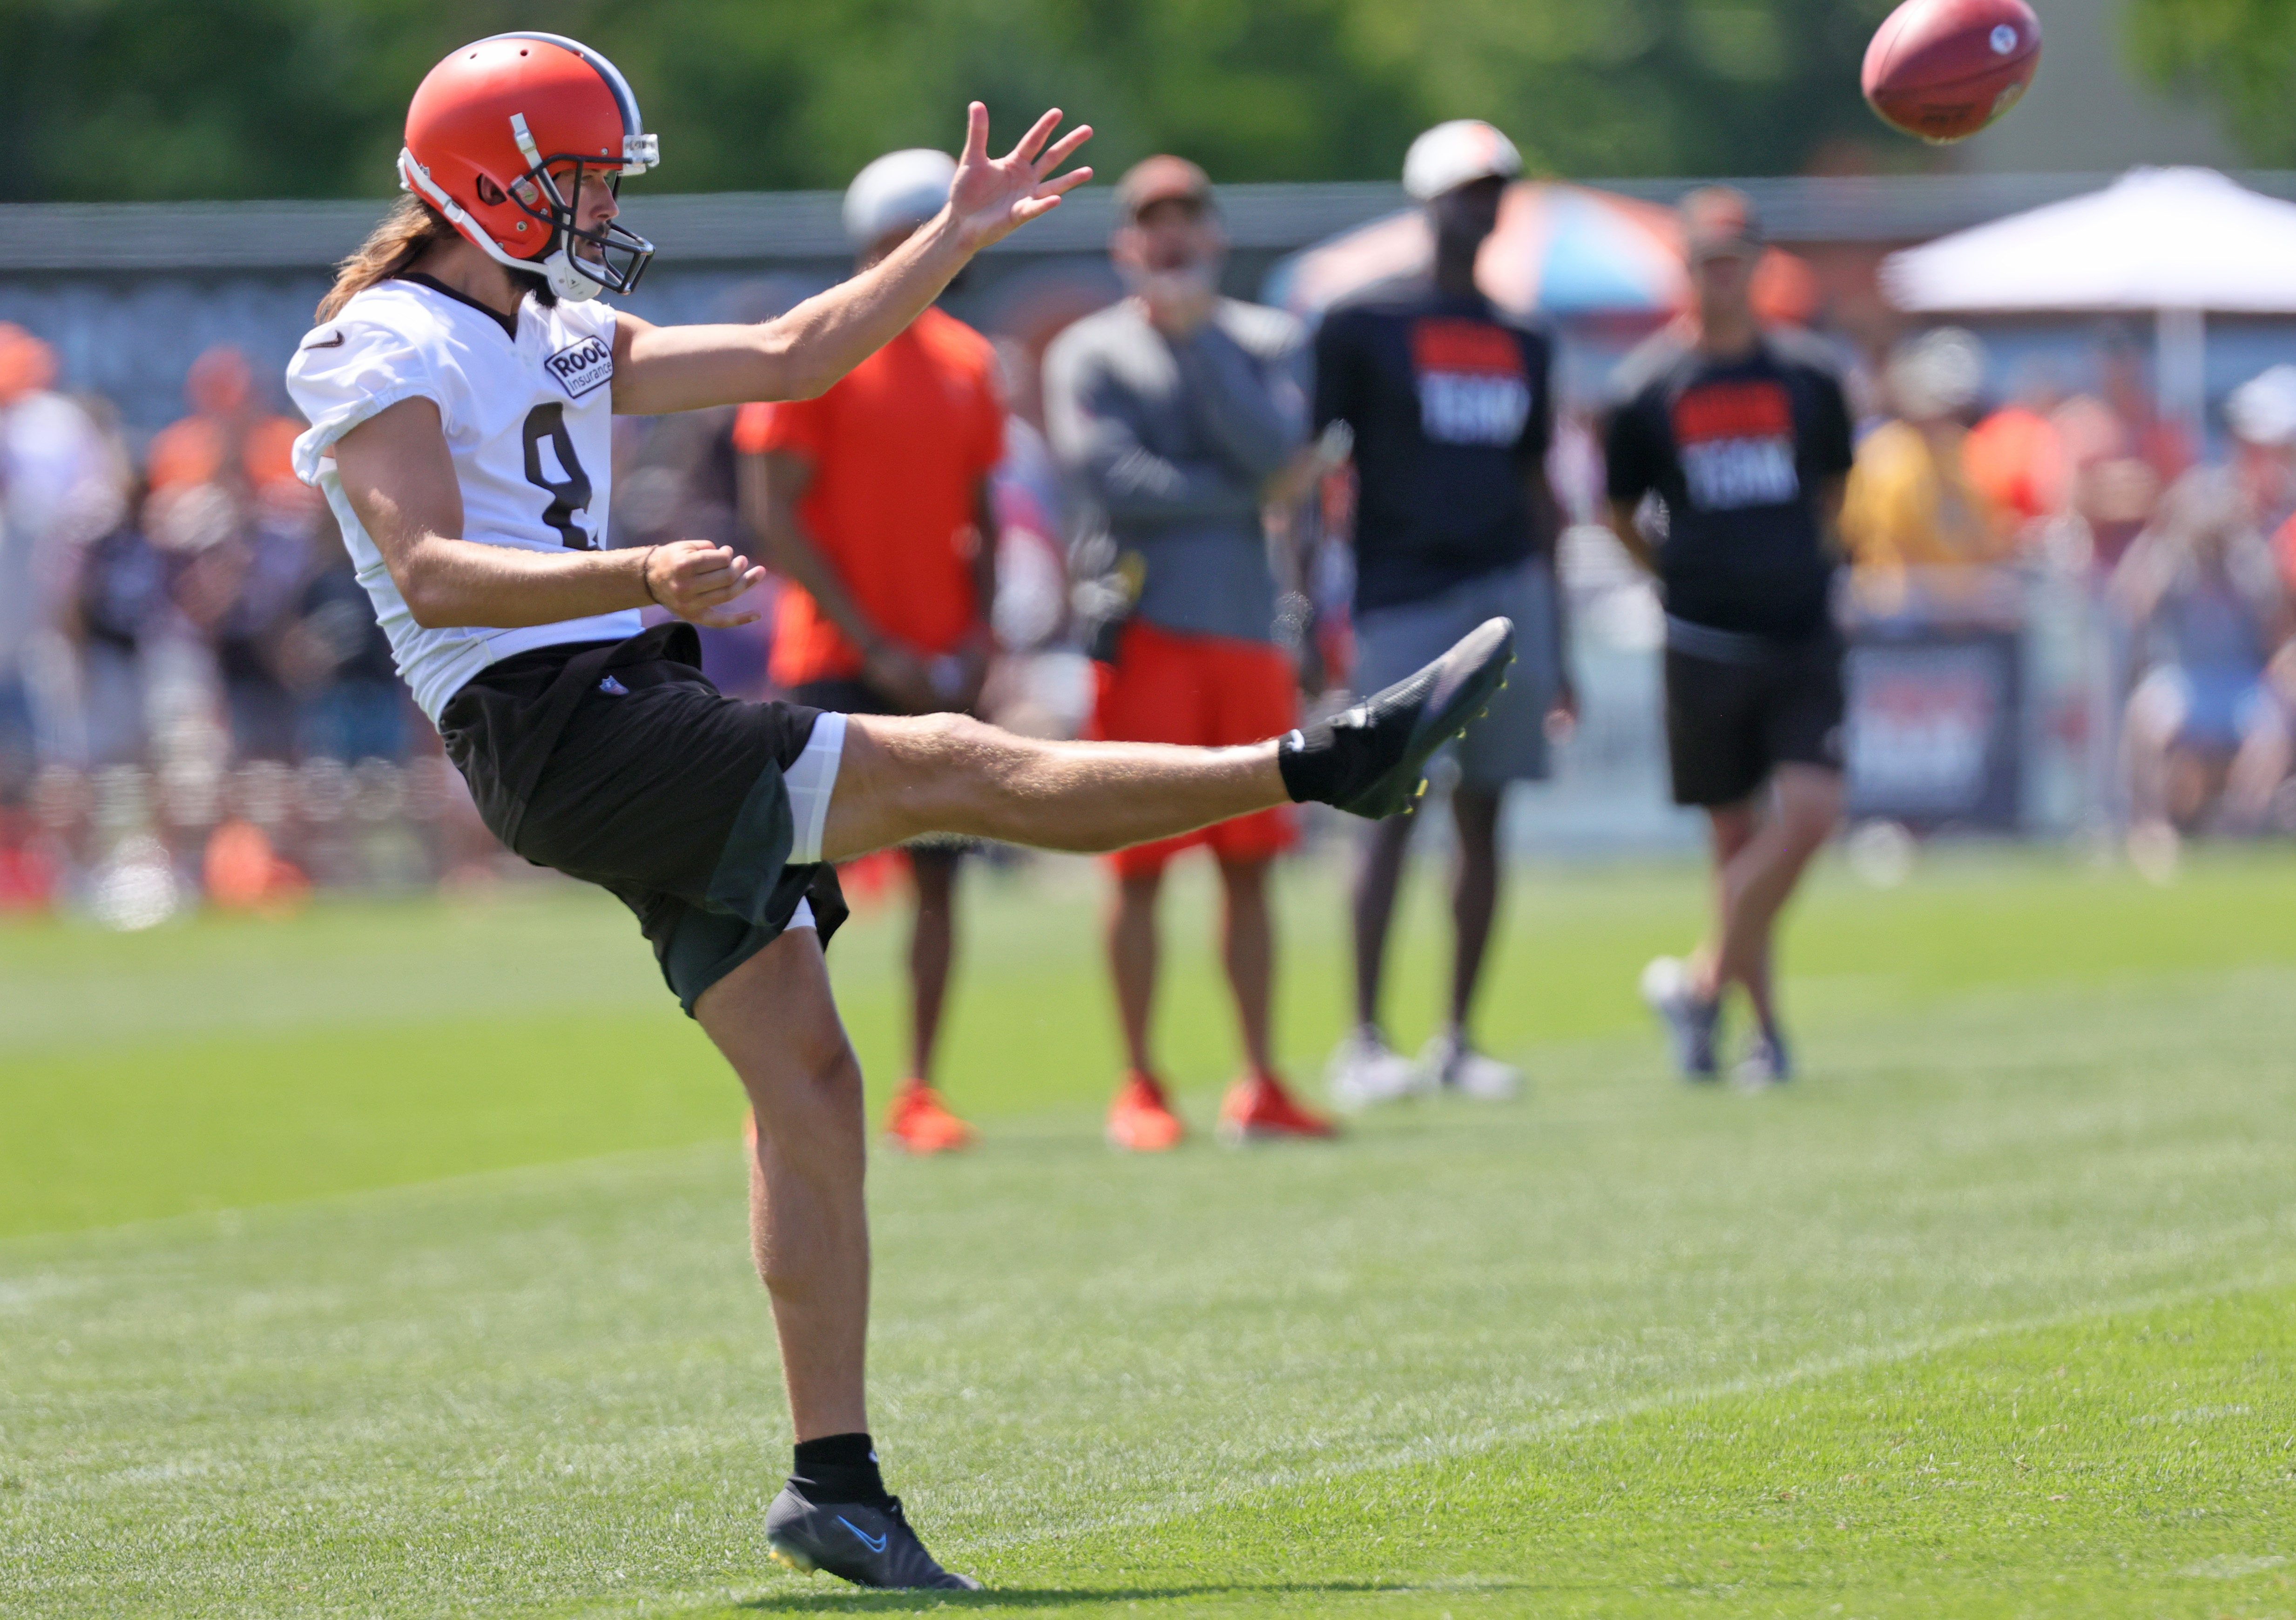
column 1765, row 1065
column 1366, row 1071
column 1451, row 1064
column 1689, row 1022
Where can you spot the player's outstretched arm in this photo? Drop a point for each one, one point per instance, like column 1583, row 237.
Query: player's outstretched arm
column 799, row 355
column 400, row 480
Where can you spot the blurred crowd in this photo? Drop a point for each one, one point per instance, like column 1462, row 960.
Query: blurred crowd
column 190, row 672
column 195, row 699
column 1957, row 497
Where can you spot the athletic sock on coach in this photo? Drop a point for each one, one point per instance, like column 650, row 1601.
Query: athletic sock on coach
column 839, row 1468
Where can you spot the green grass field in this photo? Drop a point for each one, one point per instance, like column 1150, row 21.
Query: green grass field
column 388, row 1261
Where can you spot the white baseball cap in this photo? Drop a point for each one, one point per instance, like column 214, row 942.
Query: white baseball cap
column 2262, row 410
column 905, row 187
column 1451, row 154
column 1937, row 374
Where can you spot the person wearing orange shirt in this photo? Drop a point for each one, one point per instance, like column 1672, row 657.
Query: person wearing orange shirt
column 1918, row 525
column 228, row 439
column 872, row 502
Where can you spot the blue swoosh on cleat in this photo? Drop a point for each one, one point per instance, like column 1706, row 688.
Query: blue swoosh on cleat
column 874, row 1544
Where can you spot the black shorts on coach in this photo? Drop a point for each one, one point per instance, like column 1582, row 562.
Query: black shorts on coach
column 619, row 763
column 1731, row 721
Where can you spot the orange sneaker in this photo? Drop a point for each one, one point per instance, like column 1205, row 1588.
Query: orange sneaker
column 919, row 1123
column 1140, row 1120
column 1257, row 1108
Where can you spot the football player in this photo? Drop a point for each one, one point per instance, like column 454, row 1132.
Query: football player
column 460, row 386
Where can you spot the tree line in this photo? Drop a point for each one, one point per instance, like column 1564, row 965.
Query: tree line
column 125, row 99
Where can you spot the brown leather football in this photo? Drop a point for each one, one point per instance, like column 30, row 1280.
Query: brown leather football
column 1943, row 70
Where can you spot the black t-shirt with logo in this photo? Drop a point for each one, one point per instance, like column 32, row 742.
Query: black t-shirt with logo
column 1737, row 452
column 1450, row 402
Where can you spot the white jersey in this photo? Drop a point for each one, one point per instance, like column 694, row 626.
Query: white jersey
column 529, row 421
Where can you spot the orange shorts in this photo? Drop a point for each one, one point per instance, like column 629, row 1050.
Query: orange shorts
column 1167, row 686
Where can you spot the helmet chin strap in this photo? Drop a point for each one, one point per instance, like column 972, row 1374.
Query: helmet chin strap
column 571, row 286
column 557, row 267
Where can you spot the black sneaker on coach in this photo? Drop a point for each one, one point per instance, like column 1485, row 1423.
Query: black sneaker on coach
column 1371, row 759
column 867, row 1546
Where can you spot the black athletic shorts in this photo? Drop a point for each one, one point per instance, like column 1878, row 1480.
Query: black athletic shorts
column 619, row 763
column 1731, row 721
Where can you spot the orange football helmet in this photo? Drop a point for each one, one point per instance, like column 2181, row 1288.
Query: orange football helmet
column 499, row 139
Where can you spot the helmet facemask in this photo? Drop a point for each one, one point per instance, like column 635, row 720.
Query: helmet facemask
column 617, row 257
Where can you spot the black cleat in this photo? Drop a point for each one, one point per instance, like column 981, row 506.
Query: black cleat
column 1370, row 760
column 867, row 1546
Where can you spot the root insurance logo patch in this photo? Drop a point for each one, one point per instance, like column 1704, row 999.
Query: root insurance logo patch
column 581, row 367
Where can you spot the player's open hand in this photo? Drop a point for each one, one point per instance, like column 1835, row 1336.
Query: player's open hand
column 699, row 581
column 993, row 197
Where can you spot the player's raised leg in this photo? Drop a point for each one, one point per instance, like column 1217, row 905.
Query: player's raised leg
column 903, row 778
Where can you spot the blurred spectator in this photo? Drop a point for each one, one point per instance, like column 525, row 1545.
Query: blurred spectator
column 227, row 439
column 1449, row 402
column 873, row 503
column 2261, row 414
column 1178, row 414
column 675, row 479
column 235, row 581
column 1727, row 456
column 2200, row 590
column 59, row 487
column 2120, row 452
column 227, row 504
column 2016, row 458
column 335, row 660
column 119, row 604
column 1031, row 547
column 1913, row 518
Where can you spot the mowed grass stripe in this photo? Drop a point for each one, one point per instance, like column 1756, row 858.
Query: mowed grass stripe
column 545, row 1387
column 2132, row 1461
column 234, row 1062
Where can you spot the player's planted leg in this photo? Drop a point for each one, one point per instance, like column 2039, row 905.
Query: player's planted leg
column 773, row 1019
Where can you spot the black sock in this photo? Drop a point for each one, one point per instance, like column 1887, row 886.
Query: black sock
column 839, row 1468
column 1309, row 765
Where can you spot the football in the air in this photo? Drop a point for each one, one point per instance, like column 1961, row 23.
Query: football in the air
column 1943, row 70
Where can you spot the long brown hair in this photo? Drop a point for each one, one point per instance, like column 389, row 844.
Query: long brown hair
column 397, row 239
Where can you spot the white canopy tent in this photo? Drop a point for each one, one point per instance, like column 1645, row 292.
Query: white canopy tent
column 2177, row 242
